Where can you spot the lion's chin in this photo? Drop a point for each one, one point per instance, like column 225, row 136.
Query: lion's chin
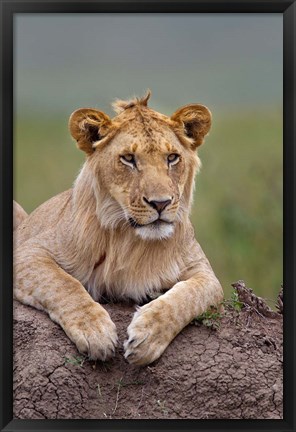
column 155, row 231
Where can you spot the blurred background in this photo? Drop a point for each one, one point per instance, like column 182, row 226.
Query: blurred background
column 230, row 62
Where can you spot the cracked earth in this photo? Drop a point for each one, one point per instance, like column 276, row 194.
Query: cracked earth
column 234, row 372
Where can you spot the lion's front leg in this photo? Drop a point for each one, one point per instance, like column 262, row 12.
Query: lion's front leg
column 41, row 283
column 156, row 324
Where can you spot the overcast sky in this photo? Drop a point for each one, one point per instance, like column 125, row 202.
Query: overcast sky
column 227, row 61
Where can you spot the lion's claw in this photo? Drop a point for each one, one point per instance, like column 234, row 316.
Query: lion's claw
column 147, row 338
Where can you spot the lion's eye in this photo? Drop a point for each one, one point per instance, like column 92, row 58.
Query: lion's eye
column 128, row 159
column 173, row 159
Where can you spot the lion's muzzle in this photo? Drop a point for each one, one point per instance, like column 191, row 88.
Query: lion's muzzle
column 159, row 206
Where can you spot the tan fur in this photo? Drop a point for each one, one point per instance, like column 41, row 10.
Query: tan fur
column 19, row 215
column 122, row 232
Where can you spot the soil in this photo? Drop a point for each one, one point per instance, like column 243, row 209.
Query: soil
column 233, row 372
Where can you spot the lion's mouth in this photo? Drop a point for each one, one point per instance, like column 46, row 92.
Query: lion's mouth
column 155, row 223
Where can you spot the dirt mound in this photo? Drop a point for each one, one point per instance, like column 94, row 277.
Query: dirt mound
column 232, row 372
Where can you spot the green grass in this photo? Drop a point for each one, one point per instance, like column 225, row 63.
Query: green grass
column 237, row 211
column 46, row 160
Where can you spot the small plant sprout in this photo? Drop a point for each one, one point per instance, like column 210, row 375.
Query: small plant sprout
column 162, row 406
column 234, row 302
column 210, row 318
column 75, row 360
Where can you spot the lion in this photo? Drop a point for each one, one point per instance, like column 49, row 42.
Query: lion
column 122, row 232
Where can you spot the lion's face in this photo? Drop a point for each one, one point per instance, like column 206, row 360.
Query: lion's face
column 145, row 175
column 144, row 164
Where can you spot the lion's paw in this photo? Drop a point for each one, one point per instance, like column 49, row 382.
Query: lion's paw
column 94, row 336
column 147, row 336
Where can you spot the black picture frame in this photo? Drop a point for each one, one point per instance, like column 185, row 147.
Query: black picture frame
column 11, row 7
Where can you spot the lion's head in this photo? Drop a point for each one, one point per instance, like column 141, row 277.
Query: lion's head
column 142, row 163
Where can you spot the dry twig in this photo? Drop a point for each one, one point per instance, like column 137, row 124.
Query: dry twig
column 247, row 296
column 280, row 301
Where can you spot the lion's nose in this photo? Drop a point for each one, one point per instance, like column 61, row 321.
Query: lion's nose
column 159, row 205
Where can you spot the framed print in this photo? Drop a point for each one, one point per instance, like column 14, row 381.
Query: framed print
column 147, row 215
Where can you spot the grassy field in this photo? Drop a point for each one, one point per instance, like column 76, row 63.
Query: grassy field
column 237, row 212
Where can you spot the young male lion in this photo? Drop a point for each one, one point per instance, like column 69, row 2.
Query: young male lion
column 121, row 232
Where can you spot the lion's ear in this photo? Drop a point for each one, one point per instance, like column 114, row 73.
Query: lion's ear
column 196, row 120
column 88, row 125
